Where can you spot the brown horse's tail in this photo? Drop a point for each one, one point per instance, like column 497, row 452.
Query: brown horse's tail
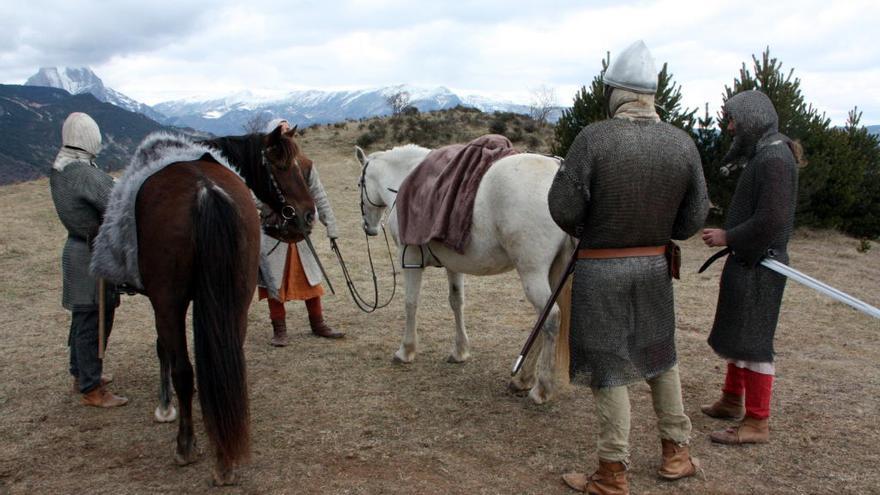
column 219, row 308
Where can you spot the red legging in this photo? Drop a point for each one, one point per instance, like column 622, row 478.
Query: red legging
column 757, row 388
column 277, row 312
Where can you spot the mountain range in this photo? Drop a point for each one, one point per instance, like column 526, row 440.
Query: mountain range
column 31, row 120
column 231, row 115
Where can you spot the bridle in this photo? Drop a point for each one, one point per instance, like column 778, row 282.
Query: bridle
column 288, row 211
column 359, row 300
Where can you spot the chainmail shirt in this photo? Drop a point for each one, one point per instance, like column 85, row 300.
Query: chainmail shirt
column 760, row 219
column 626, row 184
column 80, row 192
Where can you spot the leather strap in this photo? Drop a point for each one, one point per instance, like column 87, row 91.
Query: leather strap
column 600, row 254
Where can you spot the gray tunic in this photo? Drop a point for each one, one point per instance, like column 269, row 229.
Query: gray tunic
column 760, row 218
column 80, row 192
column 626, row 184
column 273, row 253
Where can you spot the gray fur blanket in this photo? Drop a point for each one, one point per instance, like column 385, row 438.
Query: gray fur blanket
column 115, row 251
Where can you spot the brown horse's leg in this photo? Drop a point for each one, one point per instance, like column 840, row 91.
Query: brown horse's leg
column 171, row 327
column 165, row 411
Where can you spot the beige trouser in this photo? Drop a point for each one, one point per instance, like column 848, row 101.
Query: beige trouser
column 612, row 409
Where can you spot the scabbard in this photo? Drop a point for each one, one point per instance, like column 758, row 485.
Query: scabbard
column 320, row 266
column 713, row 259
column 102, row 324
column 544, row 313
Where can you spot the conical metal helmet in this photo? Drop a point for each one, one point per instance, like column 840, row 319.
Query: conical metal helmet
column 633, row 69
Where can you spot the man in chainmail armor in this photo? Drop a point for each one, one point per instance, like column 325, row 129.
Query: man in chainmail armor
column 80, row 192
column 628, row 185
column 759, row 223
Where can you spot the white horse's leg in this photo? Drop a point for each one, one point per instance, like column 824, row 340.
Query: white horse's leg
column 460, row 349
column 413, row 283
column 541, row 362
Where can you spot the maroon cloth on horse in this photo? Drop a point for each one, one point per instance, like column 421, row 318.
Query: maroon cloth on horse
column 436, row 200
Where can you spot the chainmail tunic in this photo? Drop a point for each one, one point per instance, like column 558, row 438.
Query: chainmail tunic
column 760, row 218
column 626, row 184
column 80, row 193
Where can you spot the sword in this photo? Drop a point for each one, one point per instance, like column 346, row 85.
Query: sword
column 822, row 287
column 802, row 278
column 318, row 260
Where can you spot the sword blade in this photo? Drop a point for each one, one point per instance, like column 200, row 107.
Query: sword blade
column 318, row 260
column 822, row 287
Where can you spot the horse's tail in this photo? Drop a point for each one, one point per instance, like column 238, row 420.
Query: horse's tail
column 219, row 308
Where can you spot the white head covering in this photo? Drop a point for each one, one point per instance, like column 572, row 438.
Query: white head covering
column 80, row 139
column 633, row 69
column 274, row 123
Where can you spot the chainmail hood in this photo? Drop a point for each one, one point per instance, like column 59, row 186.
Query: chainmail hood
column 80, row 140
column 754, row 118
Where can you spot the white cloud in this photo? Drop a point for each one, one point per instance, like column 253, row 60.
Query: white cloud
column 169, row 49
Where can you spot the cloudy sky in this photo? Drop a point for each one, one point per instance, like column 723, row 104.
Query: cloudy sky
column 168, row 49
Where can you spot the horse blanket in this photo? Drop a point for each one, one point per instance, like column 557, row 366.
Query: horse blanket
column 436, row 200
column 115, row 251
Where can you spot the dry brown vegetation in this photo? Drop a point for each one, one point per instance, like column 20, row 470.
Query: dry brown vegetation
column 339, row 417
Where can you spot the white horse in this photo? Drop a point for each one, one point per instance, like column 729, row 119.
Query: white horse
column 511, row 229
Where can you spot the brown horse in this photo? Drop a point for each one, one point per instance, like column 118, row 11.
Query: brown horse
column 199, row 241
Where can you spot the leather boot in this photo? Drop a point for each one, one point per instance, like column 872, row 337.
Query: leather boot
column 101, row 397
column 279, row 333
column 105, row 380
column 729, row 406
column 609, row 479
column 316, row 320
column 677, row 461
column 750, row 430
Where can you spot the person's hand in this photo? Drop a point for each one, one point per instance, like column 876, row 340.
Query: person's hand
column 715, row 237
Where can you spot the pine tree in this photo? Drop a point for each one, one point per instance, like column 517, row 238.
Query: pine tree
column 835, row 190
column 589, row 106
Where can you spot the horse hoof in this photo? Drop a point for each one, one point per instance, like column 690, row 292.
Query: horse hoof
column 518, row 388
column 224, row 478
column 452, row 359
column 538, row 395
column 399, row 360
column 165, row 416
column 184, row 460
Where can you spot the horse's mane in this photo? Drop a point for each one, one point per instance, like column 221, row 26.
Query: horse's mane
column 404, row 156
column 243, row 152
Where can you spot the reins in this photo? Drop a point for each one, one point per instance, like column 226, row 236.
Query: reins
column 360, row 301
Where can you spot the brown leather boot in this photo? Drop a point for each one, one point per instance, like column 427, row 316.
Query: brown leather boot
column 729, row 406
column 677, row 461
column 101, row 397
column 279, row 333
column 609, row 479
column 105, row 380
column 750, row 430
column 316, row 320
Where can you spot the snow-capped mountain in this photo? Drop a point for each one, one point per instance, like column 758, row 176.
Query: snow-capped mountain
column 79, row 80
column 229, row 115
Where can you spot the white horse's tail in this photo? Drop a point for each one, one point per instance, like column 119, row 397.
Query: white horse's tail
column 561, row 351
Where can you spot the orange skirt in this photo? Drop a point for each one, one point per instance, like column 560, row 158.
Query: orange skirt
column 294, row 284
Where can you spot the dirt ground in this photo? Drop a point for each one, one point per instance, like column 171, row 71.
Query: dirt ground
column 338, row 417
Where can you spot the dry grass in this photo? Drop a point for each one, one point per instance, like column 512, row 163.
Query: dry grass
column 338, row 417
